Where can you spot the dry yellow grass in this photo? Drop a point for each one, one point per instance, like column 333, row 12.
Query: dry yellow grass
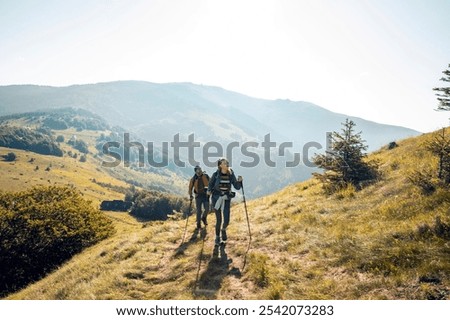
column 352, row 245
column 22, row 174
column 170, row 181
column 29, row 169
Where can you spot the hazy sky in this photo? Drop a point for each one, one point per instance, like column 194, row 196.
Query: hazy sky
column 376, row 59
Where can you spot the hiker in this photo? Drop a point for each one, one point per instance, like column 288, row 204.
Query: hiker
column 199, row 183
column 220, row 189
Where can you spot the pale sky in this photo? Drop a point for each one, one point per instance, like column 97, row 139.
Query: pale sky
column 376, row 59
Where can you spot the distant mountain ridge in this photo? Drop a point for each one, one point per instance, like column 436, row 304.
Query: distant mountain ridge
column 157, row 112
column 145, row 105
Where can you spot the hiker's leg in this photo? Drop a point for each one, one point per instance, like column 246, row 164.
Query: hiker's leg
column 206, row 206
column 226, row 220
column 226, row 214
column 198, row 205
column 205, row 203
column 218, row 221
column 218, row 215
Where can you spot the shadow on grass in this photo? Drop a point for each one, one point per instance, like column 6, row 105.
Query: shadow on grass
column 210, row 281
column 196, row 236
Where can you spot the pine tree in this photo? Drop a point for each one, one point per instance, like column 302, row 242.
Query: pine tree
column 345, row 163
column 443, row 93
column 439, row 145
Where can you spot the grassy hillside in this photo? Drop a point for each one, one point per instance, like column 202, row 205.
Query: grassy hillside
column 384, row 242
column 163, row 179
column 85, row 128
column 30, row 169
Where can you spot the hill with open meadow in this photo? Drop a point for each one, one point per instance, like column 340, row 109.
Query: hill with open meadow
column 63, row 147
column 390, row 240
column 52, row 184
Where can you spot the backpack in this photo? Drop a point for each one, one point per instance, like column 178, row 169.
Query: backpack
column 195, row 177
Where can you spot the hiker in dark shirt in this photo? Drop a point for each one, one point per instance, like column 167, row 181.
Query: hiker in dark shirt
column 199, row 183
column 220, row 189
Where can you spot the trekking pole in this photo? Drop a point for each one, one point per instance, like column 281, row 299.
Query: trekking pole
column 248, row 224
column 187, row 219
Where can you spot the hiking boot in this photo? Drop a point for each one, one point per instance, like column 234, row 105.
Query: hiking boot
column 224, row 235
column 204, row 220
column 217, row 242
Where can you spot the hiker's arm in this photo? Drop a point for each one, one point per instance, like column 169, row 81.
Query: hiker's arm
column 237, row 184
column 211, row 183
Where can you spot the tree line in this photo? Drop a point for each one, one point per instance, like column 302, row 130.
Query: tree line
column 27, row 139
column 62, row 119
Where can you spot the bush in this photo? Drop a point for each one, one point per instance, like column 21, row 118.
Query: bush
column 424, row 181
column 60, row 138
column 41, row 228
column 439, row 145
column 155, row 205
column 439, row 229
column 80, row 145
column 392, row 145
column 11, row 156
column 83, row 158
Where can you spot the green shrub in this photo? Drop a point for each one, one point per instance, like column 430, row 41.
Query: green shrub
column 155, row 205
column 424, row 181
column 11, row 156
column 79, row 144
column 392, row 145
column 41, row 228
